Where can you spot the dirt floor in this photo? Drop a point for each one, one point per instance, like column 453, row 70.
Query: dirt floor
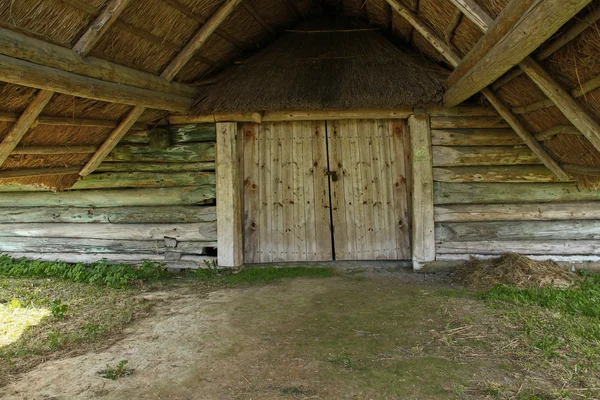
column 359, row 336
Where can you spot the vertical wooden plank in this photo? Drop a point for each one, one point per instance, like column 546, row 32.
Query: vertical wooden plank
column 357, row 187
column 299, row 190
column 322, row 214
column 276, row 234
column 406, row 226
column 229, row 204
column 377, row 188
column 265, row 193
column 399, row 141
column 287, row 187
column 309, row 190
column 364, row 150
column 389, row 238
column 251, row 184
column 422, row 193
column 345, row 174
column 338, row 205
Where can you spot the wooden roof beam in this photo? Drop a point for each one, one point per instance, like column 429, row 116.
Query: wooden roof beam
column 37, row 172
column 199, row 40
column 257, row 17
column 107, row 17
column 37, row 51
column 454, row 60
column 556, row 94
column 504, row 45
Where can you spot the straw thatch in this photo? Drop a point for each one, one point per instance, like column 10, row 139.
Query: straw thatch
column 369, row 72
column 313, row 70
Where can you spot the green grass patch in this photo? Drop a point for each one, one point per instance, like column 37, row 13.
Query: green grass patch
column 261, row 274
column 98, row 273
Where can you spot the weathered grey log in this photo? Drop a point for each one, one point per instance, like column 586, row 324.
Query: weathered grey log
column 582, row 261
column 517, row 230
column 196, row 232
column 156, row 167
column 111, row 198
column 464, row 123
column 513, row 173
column 191, row 152
column 70, row 245
column 136, row 137
column 115, row 215
column 485, row 193
column 490, row 155
column 545, row 247
column 113, row 180
column 186, row 262
column 193, row 133
column 475, row 137
column 517, row 212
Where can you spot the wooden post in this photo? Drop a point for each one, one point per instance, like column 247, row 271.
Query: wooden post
column 423, row 238
column 229, row 199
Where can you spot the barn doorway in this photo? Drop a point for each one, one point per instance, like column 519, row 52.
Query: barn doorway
column 325, row 190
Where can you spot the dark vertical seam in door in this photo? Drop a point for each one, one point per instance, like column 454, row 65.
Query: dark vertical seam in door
column 331, row 227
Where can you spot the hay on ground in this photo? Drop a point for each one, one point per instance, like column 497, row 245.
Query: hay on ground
column 514, row 270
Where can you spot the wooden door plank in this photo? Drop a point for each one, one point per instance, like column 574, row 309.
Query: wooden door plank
column 287, row 187
column 338, row 203
column 364, row 152
column 398, row 140
column 276, row 234
column 251, row 184
column 322, row 214
column 265, row 194
column 379, row 221
column 387, row 198
column 299, row 199
column 309, row 190
column 345, row 174
column 357, row 186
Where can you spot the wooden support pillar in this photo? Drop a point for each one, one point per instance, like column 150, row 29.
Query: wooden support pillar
column 229, row 199
column 423, row 238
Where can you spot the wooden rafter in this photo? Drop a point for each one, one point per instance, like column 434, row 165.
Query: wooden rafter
column 169, row 74
column 31, row 113
column 451, row 28
column 453, row 59
column 257, row 17
column 503, row 46
column 36, row 172
column 557, row 95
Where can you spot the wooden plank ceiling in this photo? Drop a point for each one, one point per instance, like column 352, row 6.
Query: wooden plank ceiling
column 97, row 70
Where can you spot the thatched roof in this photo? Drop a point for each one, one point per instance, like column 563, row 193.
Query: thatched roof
column 149, row 33
column 325, row 66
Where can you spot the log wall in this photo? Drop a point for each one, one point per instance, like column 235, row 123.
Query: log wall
column 492, row 195
column 152, row 199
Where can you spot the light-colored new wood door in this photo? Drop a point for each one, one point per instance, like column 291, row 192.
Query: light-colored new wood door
column 369, row 189
column 315, row 190
column 286, row 192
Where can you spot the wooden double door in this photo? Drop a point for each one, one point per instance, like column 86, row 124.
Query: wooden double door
column 325, row 190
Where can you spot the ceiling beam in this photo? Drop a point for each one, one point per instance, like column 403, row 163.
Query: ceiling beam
column 100, row 26
column 28, row 74
column 505, row 45
column 37, row 51
column 199, row 39
column 453, row 59
column 31, row 113
column 556, row 94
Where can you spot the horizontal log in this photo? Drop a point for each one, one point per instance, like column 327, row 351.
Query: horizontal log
column 47, row 150
column 517, row 173
column 197, row 232
column 84, row 122
column 465, row 123
column 561, row 129
column 111, row 198
column 517, row 212
column 193, row 133
column 547, row 247
column 114, row 180
column 156, row 167
column 24, row 73
column 115, row 215
column 485, row 193
column 34, row 172
column 26, row 48
column 517, row 230
column 70, row 245
column 462, row 111
column 582, row 170
column 475, row 137
column 281, row 116
column 185, row 262
column 191, row 152
column 482, row 155
column 568, row 261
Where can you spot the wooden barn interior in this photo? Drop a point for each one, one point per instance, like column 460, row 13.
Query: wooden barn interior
column 263, row 131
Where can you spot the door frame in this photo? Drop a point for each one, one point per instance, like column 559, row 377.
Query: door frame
column 229, row 187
